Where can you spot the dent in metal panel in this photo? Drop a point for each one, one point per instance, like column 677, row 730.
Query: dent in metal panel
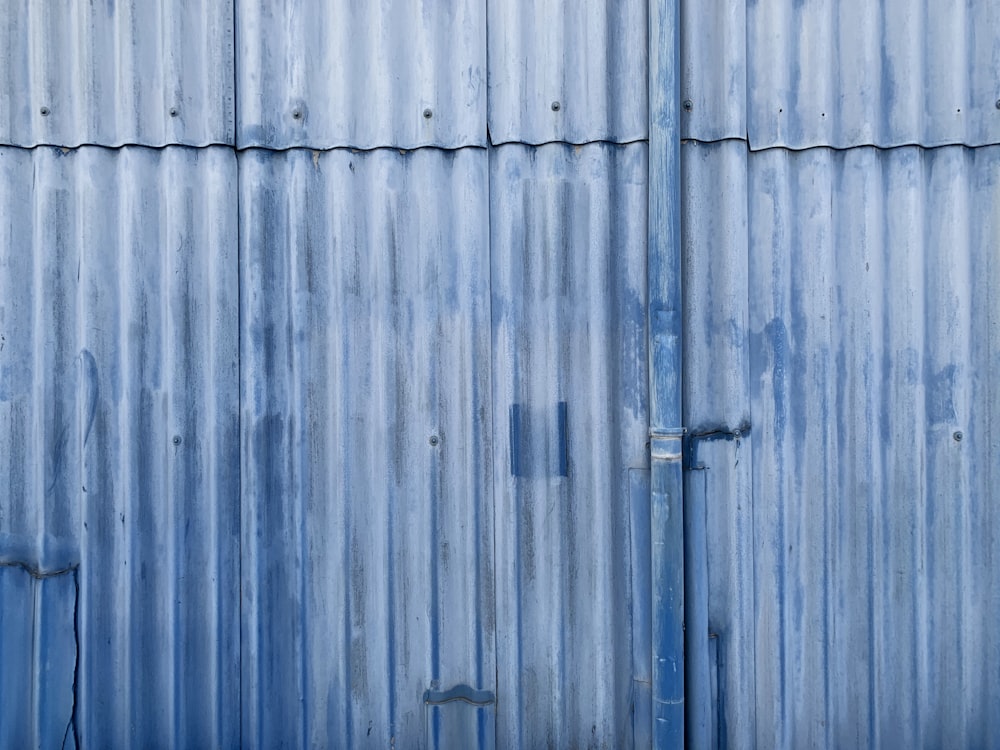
column 118, row 390
column 888, row 73
column 872, row 276
column 574, row 72
column 367, row 455
column 324, row 74
column 113, row 73
column 568, row 235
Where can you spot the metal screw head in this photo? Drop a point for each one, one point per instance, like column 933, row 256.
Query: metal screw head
column 296, row 114
column 177, row 439
column 556, row 106
column 44, row 111
column 428, row 113
column 434, row 440
column 998, row 103
column 173, row 111
column 958, row 437
column 688, row 105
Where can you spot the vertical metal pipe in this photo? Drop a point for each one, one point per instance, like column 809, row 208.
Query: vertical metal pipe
column 665, row 329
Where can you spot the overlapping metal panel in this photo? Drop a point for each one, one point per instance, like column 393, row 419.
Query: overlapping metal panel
column 119, row 478
column 833, row 73
column 368, row 581
column 713, row 69
column 570, row 405
column 574, row 72
column 117, row 72
column 718, row 501
column 860, row 326
column 347, row 73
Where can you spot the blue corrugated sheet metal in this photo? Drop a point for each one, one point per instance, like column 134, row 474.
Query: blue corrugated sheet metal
column 836, row 73
column 367, row 459
column 572, row 72
column 111, row 73
column 347, row 73
column 713, row 69
column 267, row 414
column 377, row 436
column 570, row 406
column 337, row 447
column 119, row 481
column 847, row 311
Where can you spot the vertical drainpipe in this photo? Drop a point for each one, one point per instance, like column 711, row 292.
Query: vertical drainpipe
column 665, row 341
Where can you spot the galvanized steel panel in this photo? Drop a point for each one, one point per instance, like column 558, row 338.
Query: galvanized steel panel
column 113, row 73
column 869, row 287
column 367, row 454
column 713, row 69
column 570, row 404
column 564, row 71
column 348, row 73
column 118, row 441
column 835, row 73
column 719, row 566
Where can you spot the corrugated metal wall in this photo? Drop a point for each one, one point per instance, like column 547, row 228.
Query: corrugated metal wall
column 841, row 346
column 323, row 386
column 571, row 416
column 367, row 454
column 333, row 433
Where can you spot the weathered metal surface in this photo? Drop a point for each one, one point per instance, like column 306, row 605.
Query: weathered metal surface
column 347, row 73
column 367, row 449
column 719, row 480
column 857, row 321
column 570, row 409
column 118, row 442
column 112, row 73
column 572, row 72
column 836, row 73
column 713, row 85
column 665, row 337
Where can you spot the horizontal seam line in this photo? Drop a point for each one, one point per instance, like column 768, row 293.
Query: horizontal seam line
column 314, row 149
column 38, row 572
column 798, row 149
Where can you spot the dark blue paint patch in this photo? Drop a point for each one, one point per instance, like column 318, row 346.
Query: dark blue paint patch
column 563, row 440
column 940, row 395
column 515, row 441
column 533, row 451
